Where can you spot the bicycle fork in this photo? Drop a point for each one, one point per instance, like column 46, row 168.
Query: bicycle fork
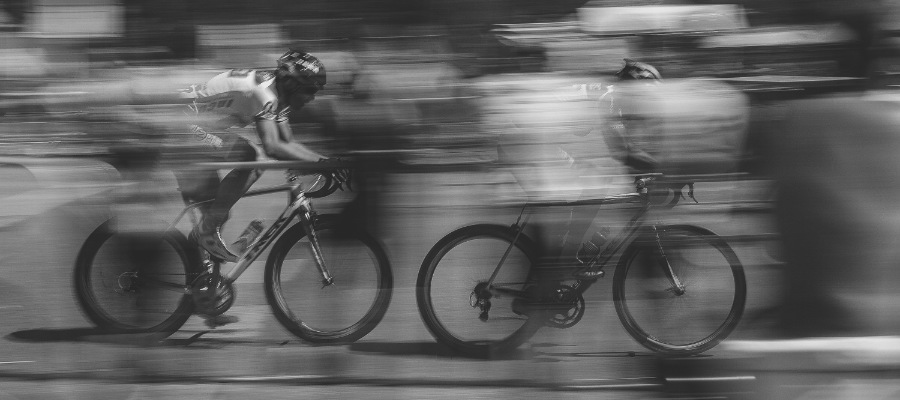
column 660, row 253
column 307, row 220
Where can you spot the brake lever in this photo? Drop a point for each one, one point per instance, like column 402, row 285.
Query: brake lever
column 349, row 182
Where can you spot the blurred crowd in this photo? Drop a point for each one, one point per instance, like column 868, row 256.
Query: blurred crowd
column 439, row 84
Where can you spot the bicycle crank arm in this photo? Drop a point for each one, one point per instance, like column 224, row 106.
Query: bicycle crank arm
column 509, row 292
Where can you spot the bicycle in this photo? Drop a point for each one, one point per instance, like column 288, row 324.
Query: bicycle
column 497, row 303
column 321, row 257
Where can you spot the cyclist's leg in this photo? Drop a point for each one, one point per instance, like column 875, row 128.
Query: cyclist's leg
column 197, row 185
column 560, row 236
column 201, row 185
column 558, row 230
column 232, row 188
column 236, row 182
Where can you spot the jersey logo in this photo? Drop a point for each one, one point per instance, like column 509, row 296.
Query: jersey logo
column 207, row 139
column 283, row 114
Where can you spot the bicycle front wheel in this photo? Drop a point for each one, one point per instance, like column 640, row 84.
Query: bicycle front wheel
column 684, row 320
column 342, row 312
column 135, row 282
column 451, row 296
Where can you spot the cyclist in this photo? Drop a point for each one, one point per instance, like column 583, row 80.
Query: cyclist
column 560, row 238
column 238, row 98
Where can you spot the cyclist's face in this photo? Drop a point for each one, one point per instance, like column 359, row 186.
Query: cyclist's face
column 296, row 93
column 299, row 99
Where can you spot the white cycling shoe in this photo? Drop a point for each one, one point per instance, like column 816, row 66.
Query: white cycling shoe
column 210, row 238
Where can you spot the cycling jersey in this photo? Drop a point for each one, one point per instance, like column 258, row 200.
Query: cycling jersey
column 240, row 95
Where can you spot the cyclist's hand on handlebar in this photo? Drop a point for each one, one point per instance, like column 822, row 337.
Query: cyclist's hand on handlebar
column 342, row 178
column 342, row 175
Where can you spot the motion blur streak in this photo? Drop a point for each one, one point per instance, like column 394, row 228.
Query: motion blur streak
column 459, row 111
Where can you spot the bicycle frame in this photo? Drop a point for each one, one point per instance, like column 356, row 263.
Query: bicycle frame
column 299, row 205
column 601, row 260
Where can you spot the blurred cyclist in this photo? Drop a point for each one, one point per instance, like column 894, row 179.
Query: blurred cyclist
column 616, row 131
column 238, row 98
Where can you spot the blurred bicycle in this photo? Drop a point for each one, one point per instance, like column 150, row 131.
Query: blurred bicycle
column 677, row 289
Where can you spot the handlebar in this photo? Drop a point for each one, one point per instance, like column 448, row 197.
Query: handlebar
column 332, row 175
column 327, row 182
column 644, row 182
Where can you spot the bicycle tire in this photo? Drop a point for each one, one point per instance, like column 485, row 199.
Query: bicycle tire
column 339, row 323
column 432, row 313
column 731, row 290
column 94, row 283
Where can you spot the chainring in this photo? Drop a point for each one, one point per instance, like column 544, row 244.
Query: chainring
column 564, row 318
column 212, row 299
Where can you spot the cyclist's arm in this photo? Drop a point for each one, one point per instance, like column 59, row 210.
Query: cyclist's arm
column 277, row 141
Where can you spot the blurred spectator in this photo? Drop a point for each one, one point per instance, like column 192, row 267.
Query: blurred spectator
column 838, row 180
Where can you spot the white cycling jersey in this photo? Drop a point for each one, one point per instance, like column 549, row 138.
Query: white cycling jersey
column 240, row 96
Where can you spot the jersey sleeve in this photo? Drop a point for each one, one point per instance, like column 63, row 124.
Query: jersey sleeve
column 273, row 112
column 283, row 114
column 266, row 111
column 264, row 106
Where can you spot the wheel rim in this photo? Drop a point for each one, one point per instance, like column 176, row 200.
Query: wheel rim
column 692, row 322
column 119, row 292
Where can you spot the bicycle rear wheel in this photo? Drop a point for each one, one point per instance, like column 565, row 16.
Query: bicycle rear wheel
column 339, row 313
column 660, row 318
column 134, row 282
column 452, row 274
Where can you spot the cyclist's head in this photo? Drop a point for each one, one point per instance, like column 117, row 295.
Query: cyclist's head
column 299, row 74
column 636, row 70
